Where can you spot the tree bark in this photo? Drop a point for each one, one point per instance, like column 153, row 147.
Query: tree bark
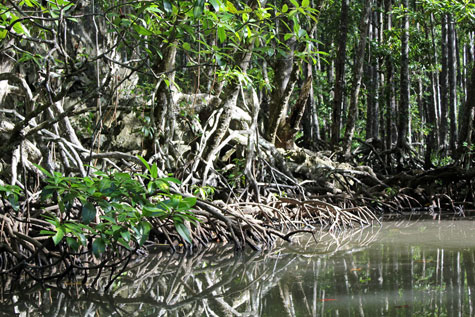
column 310, row 124
column 279, row 102
column 467, row 115
column 372, row 114
column 403, row 119
column 452, row 69
column 391, row 130
column 285, row 77
column 290, row 126
column 357, row 75
column 339, row 91
column 228, row 104
column 443, row 87
column 433, row 107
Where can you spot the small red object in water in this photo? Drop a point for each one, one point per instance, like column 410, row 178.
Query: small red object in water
column 327, row 299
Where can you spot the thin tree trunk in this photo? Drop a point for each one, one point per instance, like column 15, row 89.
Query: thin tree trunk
column 339, row 91
column 467, row 115
column 443, row 87
column 403, row 120
column 372, row 114
column 431, row 105
column 310, row 126
column 391, row 130
column 357, row 75
column 310, row 120
column 370, row 118
column 452, row 68
column 435, row 80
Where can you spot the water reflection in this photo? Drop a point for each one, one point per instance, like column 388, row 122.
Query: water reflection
column 401, row 269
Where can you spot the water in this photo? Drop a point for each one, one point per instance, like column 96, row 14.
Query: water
column 418, row 268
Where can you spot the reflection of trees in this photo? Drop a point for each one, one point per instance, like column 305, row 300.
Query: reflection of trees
column 384, row 280
column 211, row 283
column 345, row 274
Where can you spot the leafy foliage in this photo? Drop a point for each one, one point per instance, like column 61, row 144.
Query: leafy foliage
column 11, row 193
column 114, row 209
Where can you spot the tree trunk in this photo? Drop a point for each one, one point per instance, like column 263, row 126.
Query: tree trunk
column 231, row 93
column 285, row 77
column 279, row 102
column 390, row 93
column 290, row 126
column 357, row 75
column 339, row 91
column 310, row 125
column 431, row 106
column 467, row 115
column 452, row 69
column 403, row 120
column 372, row 114
column 443, row 86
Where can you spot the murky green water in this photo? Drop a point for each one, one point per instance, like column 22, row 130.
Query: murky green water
column 422, row 268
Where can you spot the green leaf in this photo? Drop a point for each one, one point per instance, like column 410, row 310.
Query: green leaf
column 183, row 231
column 198, row 9
column 58, row 236
column 47, row 232
column 171, row 179
column 98, row 246
column 72, row 243
column 101, row 173
column 215, row 5
column 222, row 34
column 88, row 212
column 82, row 238
column 154, row 171
column 167, row 6
column 143, row 230
column 285, row 8
column 43, row 170
column 125, row 235
column 230, row 7
column 141, row 30
column 123, row 243
column 295, row 3
column 144, row 162
column 305, row 3
column 188, row 202
column 186, row 46
column 13, row 199
column 287, row 36
column 122, row 177
column 154, row 211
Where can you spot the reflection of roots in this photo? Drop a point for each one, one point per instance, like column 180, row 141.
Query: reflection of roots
column 330, row 242
column 213, row 282
column 202, row 284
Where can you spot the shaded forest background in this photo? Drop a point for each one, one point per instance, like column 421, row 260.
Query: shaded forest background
column 354, row 103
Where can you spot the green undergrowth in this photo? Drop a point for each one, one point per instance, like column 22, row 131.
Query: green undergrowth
column 107, row 210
